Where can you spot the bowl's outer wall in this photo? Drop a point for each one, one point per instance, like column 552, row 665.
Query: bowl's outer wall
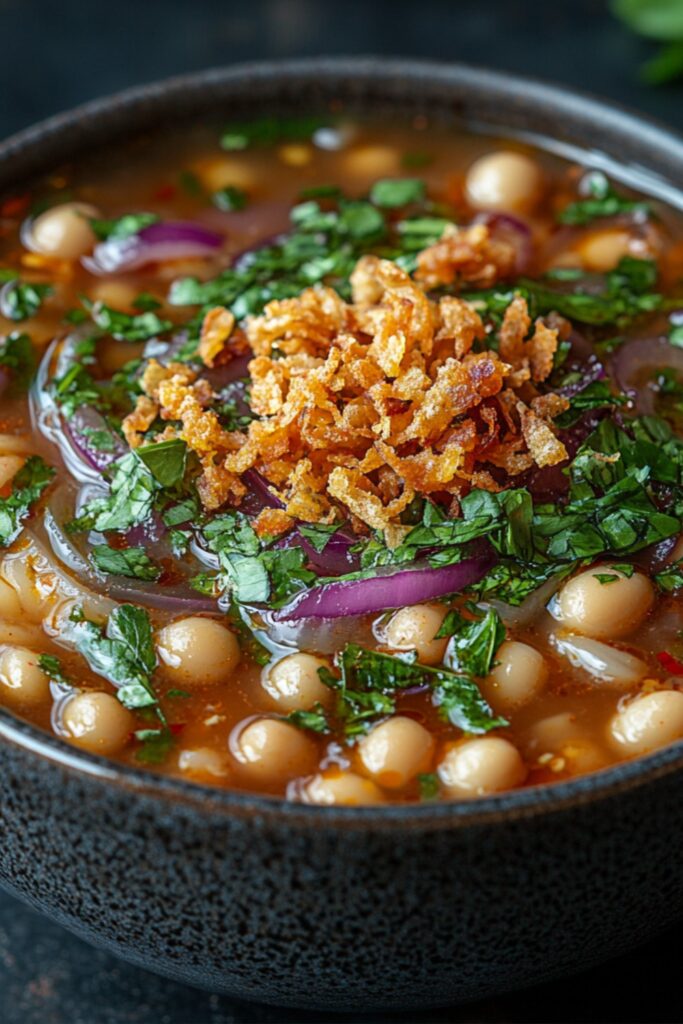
column 337, row 918
column 313, row 909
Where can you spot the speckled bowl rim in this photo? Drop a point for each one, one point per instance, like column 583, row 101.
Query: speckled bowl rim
column 120, row 113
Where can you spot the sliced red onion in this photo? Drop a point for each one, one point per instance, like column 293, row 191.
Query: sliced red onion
column 335, row 559
column 639, row 355
column 506, row 228
column 386, row 590
column 158, row 243
column 80, row 427
column 256, row 225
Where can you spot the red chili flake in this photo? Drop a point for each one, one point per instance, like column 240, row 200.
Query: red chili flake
column 670, row 664
column 167, row 191
column 177, row 727
column 15, row 206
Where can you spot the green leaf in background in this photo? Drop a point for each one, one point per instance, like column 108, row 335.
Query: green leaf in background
column 661, row 20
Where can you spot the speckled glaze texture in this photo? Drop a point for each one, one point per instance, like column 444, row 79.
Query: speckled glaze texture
column 342, row 908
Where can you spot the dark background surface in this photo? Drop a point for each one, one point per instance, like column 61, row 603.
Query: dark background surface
column 57, row 54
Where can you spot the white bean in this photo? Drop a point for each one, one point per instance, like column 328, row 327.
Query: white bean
column 604, row 610
column 520, row 675
column 649, row 722
column 22, row 681
column 481, row 766
column 63, row 231
column 504, row 180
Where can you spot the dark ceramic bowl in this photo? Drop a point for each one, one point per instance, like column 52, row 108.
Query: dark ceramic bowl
column 341, row 908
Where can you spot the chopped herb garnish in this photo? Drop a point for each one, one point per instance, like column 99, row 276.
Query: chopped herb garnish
column 52, row 667
column 127, row 326
column 27, row 487
column 123, row 653
column 18, row 356
column 133, row 562
column 128, row 503
column 473, row 642
column 370, row 680
column 314, row 721
column 602, row 201
column 20, row 300
column 268, row 131
column 429, row 786
column 396, row 192
column 122, row 227
column 230, row 198
column 166, row 461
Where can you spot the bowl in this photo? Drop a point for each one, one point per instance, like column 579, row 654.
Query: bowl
column 345, row 908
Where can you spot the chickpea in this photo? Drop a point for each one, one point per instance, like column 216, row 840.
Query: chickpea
column 415, row 628
column 582, row 755
column 63, row 232
column 118, row 294
column 198, row 651
column 345, row 789
column 520, row 674
column 203, row 763
column 606, row 611
column 504, row 181
column 649, row 722
column 219, row 172
column 395, row 751
column 677, row 551
column 481, row 766
column 610, row 666
column 10, row 607
column 9, row 467
column 295, row 154
column 22, row 681
column 293, row 682
column 371, row 161
column 97, row 722
column 271, row 749
column 548, row 735
column 600, row 251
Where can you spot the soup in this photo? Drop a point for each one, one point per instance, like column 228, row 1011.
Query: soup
column 341, row 462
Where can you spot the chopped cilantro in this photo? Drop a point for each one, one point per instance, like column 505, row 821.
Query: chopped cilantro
column 123, row 653
column 473, row 642
column 127, row 326
column 122, row 227
column 230, row 198
column 128, row 503
column 133, row 562
column 17, row 354
column 52, row 667
column 27, row 486
column 318, row 535
column 671, row 578
column 155, row 745
column 370, row 680
column 166, row 461
column 429, row 785
column 20, row 300
column 268, row 131
column 602, row 201
column 393, row 192
column 314, row 721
